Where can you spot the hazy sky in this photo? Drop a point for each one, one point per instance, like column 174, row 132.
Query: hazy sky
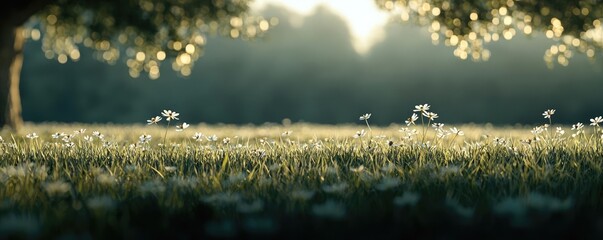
column 364, row 20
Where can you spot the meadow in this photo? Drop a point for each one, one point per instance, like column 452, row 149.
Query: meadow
column 416, row 179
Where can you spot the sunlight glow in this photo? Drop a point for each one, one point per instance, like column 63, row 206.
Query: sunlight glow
column 365, row 21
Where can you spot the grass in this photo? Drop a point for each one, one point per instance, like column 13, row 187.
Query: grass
column 316, row 181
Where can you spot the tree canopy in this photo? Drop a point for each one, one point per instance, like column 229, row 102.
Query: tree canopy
column 468, row 25
column 146, row 32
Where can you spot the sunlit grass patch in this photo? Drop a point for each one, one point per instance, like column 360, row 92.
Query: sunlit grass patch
column 115, row 180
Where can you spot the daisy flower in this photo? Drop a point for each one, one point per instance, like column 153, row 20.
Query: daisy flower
column 88, row 138
column 548, row 113
column 437, row 126
column 596, row 121
column 182, row 126
column 170, row 115
column 365, row 117
column 560, row 131
column 421, row 108
column 58, row 135
column 212, row 138
column 577, row 126
column 360, row 134
column 412, row 119
column 144, row 138
column 430, row 115
column 32, row 135
column 456, row 131
column 154, row 120
column 198, row 137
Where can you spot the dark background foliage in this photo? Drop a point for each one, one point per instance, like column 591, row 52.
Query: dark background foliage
column 312, row 73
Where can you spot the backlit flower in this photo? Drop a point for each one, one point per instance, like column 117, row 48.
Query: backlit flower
column 577, row 126
column 32, row 135
column 437, row 126
column 58, row 135
column 170, row 115
column 182, row 126
column 154, row 120
column 548, row 113
column 198, row 137
column 411, row 120
column 596, row 121
column 455, row 131
column 430, row 115
column 144, row 138
column 98, row 134
column 212, row 138
column 360, row 134
column 560, row 131
column 364, row 117
column 421, row 108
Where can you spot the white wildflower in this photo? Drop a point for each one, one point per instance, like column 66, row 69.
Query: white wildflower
column 198, row 137
column 212, row 138
column 182, row 126
column 154, row 120
column 144, row 138
column 170, row 115
column 32, row 135
column 58, row 135
column 421, row 108
column 365, row 117
column 360, row 134
column 596, row 121
column 456, row 131
column 412, row 119
column 548, row 113
column 432, row 116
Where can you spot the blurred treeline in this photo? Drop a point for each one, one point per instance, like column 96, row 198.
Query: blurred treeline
column 311, row 73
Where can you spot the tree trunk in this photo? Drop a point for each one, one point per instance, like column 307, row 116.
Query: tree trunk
column 11, row 61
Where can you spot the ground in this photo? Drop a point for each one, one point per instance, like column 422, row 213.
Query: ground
column 300, row 181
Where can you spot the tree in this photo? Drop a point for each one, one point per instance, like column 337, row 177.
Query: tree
column 467, row 26
column 147, row 32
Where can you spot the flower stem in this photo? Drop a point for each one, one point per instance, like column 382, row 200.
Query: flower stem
column 165, row 134
column 423, row 125
column 452, row 141
column 367, row 125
